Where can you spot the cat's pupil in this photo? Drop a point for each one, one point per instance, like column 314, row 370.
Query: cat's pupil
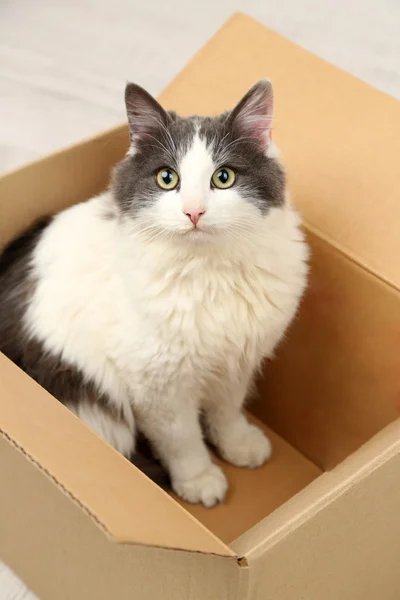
column 223, row 176
column 167, row 177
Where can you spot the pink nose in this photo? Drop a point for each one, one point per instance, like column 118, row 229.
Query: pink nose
column 194, row 216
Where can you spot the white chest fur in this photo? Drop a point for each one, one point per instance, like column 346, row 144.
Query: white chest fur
column 132, row 316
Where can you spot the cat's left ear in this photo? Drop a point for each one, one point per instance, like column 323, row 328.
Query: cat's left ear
column 145, row 115
column 252, row 117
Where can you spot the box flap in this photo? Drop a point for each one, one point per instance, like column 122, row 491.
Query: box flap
column 327, row 489
column 346, row 186
column 106, row 485
column 61, row 553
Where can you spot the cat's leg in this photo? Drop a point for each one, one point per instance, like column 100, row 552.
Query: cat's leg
column 117, row 431
column 236, row 440
column 174, row 430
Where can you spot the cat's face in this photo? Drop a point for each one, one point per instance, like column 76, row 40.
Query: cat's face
column 198, row 178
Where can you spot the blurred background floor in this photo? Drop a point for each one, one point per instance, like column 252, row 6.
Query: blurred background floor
column 64, row 64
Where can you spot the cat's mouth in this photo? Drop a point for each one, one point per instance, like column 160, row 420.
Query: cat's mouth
column 197, row 231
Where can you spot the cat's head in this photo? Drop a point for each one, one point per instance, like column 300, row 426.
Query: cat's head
column 199, row 179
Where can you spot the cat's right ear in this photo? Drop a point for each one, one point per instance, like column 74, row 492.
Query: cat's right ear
column 145, row 115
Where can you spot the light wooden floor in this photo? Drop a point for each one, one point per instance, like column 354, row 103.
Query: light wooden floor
column 64, row 63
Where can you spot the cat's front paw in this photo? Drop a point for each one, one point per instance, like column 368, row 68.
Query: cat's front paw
column 248, row 448
column 208, row 488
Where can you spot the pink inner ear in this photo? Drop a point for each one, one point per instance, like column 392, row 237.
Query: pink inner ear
column 259, row 127
column 255, row 116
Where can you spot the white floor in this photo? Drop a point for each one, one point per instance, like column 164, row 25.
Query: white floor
column 64, row 63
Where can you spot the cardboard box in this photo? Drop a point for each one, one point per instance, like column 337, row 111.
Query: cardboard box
column 321, row 521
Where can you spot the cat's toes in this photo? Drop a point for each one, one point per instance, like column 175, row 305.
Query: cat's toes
column 250, row 449
column 208, row 488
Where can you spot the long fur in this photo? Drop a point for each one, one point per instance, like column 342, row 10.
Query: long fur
column 167, row 322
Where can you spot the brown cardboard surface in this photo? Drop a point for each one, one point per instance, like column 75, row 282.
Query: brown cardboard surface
column 339, row 538
column 256, row 493
column 320, row 493
column 340, row 137
column 48, row 185
column 103, row 482
column 62, row 554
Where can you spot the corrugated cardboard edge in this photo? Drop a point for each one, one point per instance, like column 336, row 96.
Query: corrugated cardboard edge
column 61, row 552
column 56, row 482
column 242, row 562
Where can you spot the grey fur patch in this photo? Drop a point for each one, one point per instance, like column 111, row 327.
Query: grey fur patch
column 16, row 289
column 260, row 179
column 134, row 180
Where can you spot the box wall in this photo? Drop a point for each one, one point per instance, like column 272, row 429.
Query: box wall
column 343, row 359
column 62, row 554
column 347, row 545
column 46, row 186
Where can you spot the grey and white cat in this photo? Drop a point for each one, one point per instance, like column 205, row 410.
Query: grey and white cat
column 156, row 302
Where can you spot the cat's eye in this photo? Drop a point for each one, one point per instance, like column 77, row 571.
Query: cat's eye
column 223, row 178
column 167, row 178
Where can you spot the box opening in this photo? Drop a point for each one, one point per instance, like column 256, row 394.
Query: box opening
column 325, row 409
column 313, row 419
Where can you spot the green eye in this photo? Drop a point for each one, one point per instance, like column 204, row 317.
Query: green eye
column 167, row 178
column 223, row 178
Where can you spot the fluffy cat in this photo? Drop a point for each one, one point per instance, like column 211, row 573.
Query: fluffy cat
column 155, row 303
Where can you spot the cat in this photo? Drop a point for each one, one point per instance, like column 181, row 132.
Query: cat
column 153, row 305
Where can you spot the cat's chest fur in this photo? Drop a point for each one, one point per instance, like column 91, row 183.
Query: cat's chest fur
column 194, row 314
column 201, row 308
column 122, row 311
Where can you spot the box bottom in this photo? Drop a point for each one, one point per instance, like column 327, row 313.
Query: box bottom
column 255, row 493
